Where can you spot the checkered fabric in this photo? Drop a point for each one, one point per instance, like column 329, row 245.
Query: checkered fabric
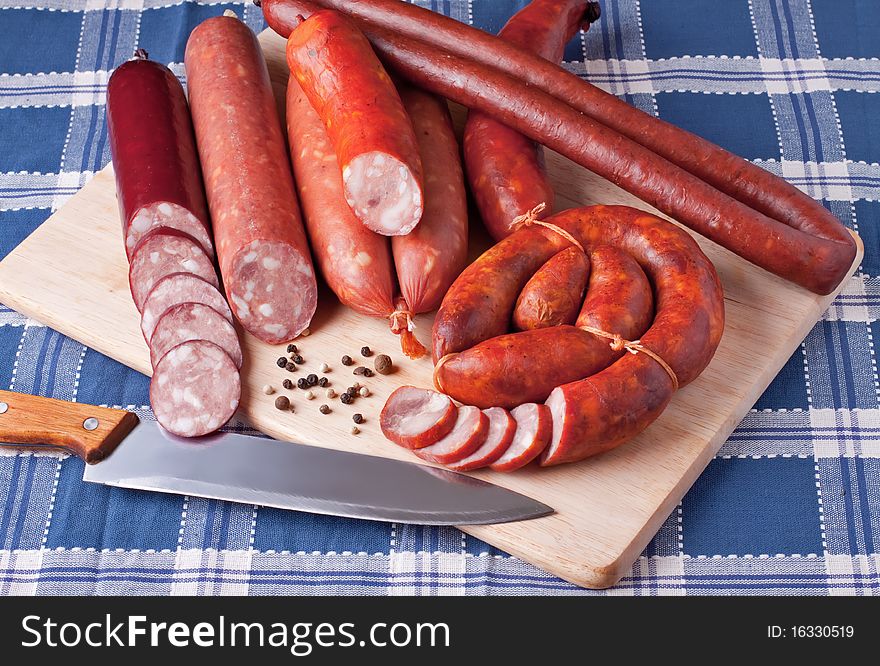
column 791, row 504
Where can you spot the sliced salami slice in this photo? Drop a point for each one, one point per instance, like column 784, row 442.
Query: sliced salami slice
column 180, row 288
column 170, row 216
column 196, row 389
column 163, row 252
column 502, row 426
column 533, row 427
column 193, row 321
column 466, row 436
column 415, row 418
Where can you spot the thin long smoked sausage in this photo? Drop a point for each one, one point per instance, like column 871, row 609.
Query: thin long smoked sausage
column 509, row 370
column 802, row 242
column 264, row 255
column 365, row 119
column 158, row 180
column 505, row 169
column 431, row 256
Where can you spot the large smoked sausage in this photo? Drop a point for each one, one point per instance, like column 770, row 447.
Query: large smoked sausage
column 158, row 181
column 433, row 254
column 517, row 368
column 505, row 169
column 261, row 244
column 372, row 136
column 736, row 204
column 355, row 262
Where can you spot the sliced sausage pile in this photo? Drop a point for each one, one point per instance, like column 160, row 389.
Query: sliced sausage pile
column 572, row 388
column 396, row 175
column 194, row 348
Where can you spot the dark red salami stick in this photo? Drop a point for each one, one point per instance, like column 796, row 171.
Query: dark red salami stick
column 803, row 242
column 158, row 180
column 505, row 169
column 262, row 247
column 365, row 119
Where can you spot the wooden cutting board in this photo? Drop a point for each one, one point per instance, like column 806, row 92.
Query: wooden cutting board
column 71, row 274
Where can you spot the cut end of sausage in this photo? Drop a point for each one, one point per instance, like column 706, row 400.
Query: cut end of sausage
column 415, row 418
column 180, row 288
column 194, row 321
column 195, row 389
column 162, row 252
column 556, row 404
column 533, row 430
column 466, row 436
column 384, row 193
column 502, row 426
column 169, row 215
column 272, row 290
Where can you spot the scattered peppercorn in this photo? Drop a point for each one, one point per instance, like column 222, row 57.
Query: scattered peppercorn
column 287, row 384
column 355, row 430
column 360, row 370
column 324, row 368
column 282, row 402
column 292, row 348
column 291, row 366
column 383, row 364
column 346, row 398
column 358, row 418
column 298, row 359
column 324, row 409
column 355, row 387
column 330, row 394
column 346, row 360
column 312, row 379
column 323, row 382
column 281, row 362
column 309, row 395
column 363, row 392
column 306, row 332
column 268, row 389
column 302, row 383
column 368, row 372
column 366, row 352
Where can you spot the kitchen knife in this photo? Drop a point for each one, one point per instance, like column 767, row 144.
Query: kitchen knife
column 123, row 451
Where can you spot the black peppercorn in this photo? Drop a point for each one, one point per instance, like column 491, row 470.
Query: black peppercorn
column 302, row 383
column 358, row 418
column 312, row 379
column 368, row 372
column 366, row 352
column 360, row 370
column 281, row 362
column 298, row 359
column 291, row 366
column 346, row 398
column 292, row 349
column 346, row 360
column 287, row 384
column 323, row 382
column 324, row 409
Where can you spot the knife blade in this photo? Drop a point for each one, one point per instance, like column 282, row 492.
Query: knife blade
column 124, row 451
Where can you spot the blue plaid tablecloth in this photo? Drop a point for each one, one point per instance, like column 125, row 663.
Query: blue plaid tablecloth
column 791, row 504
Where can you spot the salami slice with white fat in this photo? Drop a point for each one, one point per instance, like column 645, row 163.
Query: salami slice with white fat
column 163, row 252
column 196, row 389
column 193, row 321
column 533, row 427
column 502, row 427
column 466, row 436
column 171, row 216
column 415, row 418
column 180, row 288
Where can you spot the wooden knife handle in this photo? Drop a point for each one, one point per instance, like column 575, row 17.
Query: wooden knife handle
column 89, row 432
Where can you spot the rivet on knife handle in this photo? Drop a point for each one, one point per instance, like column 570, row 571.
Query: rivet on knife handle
column 85, row 430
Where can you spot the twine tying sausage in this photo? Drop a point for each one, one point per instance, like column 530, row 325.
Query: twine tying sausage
column 530, row 218
column 402, row 324
column 633, row 347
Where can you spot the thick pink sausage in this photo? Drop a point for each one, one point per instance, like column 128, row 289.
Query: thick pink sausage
column 264, row 255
